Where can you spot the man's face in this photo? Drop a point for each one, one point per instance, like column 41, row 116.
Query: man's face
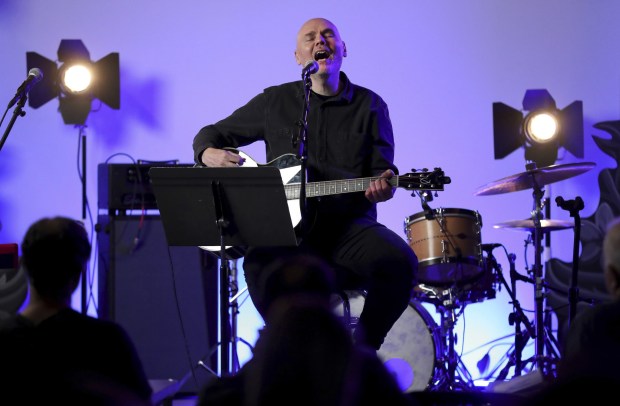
column 319, row 40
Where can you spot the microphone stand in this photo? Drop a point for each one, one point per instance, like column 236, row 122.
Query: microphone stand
column 301, row 142
column 573, row 207
column 17, row 112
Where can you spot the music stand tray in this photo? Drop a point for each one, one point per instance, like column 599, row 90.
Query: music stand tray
column 253, row 204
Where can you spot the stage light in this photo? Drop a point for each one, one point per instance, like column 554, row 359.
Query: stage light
column 76, row 82
column 542, row 131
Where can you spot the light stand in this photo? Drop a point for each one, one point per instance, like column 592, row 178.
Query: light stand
column 84, row 289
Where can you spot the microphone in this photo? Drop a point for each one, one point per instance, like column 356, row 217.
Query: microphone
column 310, row 67
column 34, row 76
column 490, row 247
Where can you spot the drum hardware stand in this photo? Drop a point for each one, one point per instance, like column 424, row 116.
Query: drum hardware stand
column 452, row 361
column 517, row 317
column 542, row 334
column 425, row 197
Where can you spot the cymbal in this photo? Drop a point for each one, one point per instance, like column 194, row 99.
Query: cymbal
column 534, row 178
column 528, row 225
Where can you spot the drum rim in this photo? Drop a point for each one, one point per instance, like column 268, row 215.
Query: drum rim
column 450, row 260
column 446, row 210
column 478, row 263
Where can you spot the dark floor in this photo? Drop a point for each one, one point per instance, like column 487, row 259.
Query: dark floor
column 423, row 399
column 476, row 397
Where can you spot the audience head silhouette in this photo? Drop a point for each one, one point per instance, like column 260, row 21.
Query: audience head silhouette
column 64, row 355
column 55, row 251
column 294, row 273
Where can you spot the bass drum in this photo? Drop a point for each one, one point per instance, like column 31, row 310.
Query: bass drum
column 410, row 350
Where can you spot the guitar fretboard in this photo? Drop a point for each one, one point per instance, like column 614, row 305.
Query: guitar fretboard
column 333, row 187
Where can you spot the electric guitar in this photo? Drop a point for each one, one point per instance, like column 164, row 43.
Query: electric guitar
column 290, row 171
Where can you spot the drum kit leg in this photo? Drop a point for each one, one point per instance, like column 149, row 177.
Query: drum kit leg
column 453, row 375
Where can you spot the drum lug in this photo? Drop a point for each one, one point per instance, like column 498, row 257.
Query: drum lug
column 444, row 250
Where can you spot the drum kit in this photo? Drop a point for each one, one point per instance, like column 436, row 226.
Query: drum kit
column 456, row 269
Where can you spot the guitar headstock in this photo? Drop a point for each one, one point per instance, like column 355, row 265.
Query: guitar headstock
column 424, row 180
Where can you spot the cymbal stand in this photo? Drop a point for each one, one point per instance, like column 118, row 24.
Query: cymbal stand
column 538, row 278
column 542, row 362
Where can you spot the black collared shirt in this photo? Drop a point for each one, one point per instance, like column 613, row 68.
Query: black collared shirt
column 349, row 136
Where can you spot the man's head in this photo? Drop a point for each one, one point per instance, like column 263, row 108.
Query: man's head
column 611, row 255
column 55, row 251
column 318, row 39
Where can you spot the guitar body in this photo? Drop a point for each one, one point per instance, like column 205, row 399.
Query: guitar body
column 290, row 171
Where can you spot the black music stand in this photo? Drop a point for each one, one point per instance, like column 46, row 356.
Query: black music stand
column 223, row 207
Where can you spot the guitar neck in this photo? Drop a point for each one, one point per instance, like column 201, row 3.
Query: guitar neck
column 333, row 187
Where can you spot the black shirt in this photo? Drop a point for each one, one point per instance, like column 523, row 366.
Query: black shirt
column 592, row 345
column 349, row 136
column 70, row 356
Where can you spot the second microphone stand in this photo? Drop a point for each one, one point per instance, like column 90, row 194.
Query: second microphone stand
column 573, row 207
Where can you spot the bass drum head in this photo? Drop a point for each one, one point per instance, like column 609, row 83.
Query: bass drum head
column 409, row 351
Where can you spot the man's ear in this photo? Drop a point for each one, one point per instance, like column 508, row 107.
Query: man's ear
column 297, row 58
column 344, row 47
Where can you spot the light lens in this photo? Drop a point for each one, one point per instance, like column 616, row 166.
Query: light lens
column 541, row 128
column 77, row 78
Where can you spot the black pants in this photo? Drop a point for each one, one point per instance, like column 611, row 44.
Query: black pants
column 362, row 250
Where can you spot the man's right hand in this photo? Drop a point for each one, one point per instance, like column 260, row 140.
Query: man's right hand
column 221, row 158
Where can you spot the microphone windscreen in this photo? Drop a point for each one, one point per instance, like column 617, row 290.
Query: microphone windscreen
column 36, row 72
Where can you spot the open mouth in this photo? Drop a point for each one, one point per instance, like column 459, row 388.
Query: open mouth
column 319, row 55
